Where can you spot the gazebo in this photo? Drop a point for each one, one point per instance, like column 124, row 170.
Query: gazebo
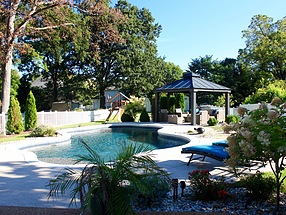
column 191, row 84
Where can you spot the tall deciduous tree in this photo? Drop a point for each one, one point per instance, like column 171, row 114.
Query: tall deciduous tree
column 19, row 18
column 55, row 59
column 265, row 47
column 16, row 17
column 142, row 68
column 228, row 72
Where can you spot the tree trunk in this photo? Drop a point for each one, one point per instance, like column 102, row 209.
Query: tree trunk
column 6, row 79
column 102, row 97
column 6, row 82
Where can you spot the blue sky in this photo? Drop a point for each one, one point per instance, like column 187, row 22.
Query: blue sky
column 196, row 28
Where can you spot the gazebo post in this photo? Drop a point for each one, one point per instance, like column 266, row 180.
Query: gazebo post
column 193, row 107
column 227, row 104
column 157, row 97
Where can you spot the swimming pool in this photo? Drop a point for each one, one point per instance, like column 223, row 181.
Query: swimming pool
column 107, row 142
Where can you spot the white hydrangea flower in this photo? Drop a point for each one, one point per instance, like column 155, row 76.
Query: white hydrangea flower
column 264, row 138
column 272, row 114
column 247, row 134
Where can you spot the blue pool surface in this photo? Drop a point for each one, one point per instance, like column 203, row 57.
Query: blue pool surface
column 107, row 142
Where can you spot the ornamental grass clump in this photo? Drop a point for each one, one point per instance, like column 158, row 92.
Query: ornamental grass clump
column 205, row 188
column 260, row 135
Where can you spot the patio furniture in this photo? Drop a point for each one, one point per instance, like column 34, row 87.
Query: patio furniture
column 202, row 117
column 213, row 151
column 163, row 116
column 175, row 119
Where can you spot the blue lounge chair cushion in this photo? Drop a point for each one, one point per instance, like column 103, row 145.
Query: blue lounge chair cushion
column 223, row 143
column 216, row 152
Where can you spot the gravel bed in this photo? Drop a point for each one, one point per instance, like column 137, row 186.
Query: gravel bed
column 235, row 204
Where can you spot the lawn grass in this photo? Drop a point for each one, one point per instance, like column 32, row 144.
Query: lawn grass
column 22, row 136
column 283, row 187
column 80, row 125
column 15, row 137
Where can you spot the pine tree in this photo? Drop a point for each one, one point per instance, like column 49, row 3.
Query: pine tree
column 31, row 119
column 15, row 122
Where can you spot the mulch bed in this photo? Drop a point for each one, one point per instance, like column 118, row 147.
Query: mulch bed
column 13, row 210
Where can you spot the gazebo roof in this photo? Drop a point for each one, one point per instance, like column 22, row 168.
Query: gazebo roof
column 192, row 82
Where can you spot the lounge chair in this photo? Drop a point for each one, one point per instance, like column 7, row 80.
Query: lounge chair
column 214, row 151
column 223, row 143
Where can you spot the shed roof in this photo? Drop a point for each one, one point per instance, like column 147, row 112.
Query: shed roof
column 192, row 82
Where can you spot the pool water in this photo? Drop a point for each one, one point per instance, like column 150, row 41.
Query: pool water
column 107, row 143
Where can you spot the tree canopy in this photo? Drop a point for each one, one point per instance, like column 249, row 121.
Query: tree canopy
column 265, row 47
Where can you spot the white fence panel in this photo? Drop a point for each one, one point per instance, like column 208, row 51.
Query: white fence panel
column 63, row 117
column 67, row 118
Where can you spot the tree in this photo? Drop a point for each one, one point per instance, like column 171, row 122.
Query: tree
column 228, row 72
column 15, row 83
column 268, row 93
column 264, row 51
column 15, row 27
column 35, row 17
column 57, row 59
column 171, row 72
column 31, row 118
column 15, row 122
column 261, row 136
column 139, row 62
column 101, row 186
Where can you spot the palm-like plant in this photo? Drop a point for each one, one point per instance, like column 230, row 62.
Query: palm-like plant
column 106, row 188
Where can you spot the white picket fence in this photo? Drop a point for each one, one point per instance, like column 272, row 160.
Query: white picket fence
column 63, row 117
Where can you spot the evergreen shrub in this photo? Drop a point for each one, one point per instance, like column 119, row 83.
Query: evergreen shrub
column 164, row 102
column 31, row 119
column 127, row 118
column 172, row 104
column 15, row 121
column 180, row 101
column 144, row 116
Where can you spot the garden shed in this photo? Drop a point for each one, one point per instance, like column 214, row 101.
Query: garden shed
column 191, row 84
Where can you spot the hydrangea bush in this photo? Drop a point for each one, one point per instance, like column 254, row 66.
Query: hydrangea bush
column 261, row 135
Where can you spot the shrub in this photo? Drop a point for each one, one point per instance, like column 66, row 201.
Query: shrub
column 31, row 118
column 180, row 101
column 164, row 102
column 144, row 116
column 212, row 121
column 267, row 93
column 43, row 131
column 260, row 135
column 232, row 119
column 134, row 107
column 126, row 118
column 15, row 122
column 258, row 186
column 205, row 188
column 172, row 104
column 157, row 190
